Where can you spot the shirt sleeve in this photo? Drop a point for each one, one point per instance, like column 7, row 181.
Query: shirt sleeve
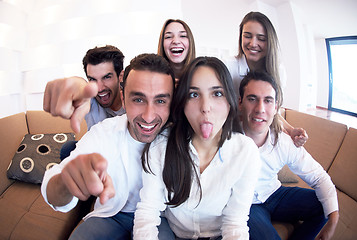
column 55, row 170
column 152, row 195
column 236, row 212
column 309, row 170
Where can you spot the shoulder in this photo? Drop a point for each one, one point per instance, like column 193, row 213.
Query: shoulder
column 111, row 125
column 240, row 144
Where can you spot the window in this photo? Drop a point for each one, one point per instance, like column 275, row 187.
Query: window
column 342, row 60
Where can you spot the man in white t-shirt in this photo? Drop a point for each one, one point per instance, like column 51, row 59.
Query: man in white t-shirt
column 273, row 202
column 106, row 162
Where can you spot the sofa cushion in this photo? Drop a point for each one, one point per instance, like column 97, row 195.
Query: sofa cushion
column 344, row 168
column 25, row 215
column 347, row 224
column 38, row 122
column 325, row 136
column 36, row 154
column 12, row 130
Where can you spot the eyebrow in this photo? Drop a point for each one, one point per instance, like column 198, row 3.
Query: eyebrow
column 266, row 97
column 106, row 75
column 140, row 94
column 172, row 32
column 212, row 88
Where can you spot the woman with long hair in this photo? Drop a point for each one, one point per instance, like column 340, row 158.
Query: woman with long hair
column 259, row 50
column 177, row 45
column 199, row 171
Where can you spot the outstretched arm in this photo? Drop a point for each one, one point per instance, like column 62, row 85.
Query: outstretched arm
column 82, row 177
column 69, row 98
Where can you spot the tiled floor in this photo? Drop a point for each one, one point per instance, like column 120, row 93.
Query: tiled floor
column 350, row 121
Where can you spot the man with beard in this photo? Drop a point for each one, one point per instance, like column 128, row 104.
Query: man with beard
column 107, row 160
column 103, row 67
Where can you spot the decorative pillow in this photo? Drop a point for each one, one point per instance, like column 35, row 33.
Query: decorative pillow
column 285, row 175
column 36, row 154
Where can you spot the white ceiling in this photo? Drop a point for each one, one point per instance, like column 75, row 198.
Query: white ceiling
column 327, row 18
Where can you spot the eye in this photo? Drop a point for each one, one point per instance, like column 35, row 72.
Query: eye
column 247, row 35
column 138, row 100
column 261, row 39
column 91, row 79
column 161, row 101
column 193, row 95
column 184, row 36
column 251, row 99
column 270, row 101
column 218, row 94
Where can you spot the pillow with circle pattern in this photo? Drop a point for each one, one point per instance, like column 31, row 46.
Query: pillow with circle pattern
column 36, row 154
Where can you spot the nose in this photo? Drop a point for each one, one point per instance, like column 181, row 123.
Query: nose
column 100, row 85
column 175, row 39
column 260, row 108
column 253, row 41
column 149, row 113
column 205, row 105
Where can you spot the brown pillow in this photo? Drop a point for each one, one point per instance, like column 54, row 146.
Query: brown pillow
column 36, row 154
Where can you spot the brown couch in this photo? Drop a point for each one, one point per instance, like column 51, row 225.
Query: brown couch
column 334, row 146
column 25, row 215
column 23, row 212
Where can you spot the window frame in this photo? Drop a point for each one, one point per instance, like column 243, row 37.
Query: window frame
column 337, row 41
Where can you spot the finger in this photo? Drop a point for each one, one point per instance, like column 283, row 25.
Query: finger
column 47, row 98
column 94, row 169
column 74, row 184
column 78, row 116
column 88, row 90
column 108, row 191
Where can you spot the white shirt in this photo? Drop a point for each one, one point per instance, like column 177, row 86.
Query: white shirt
column 111, row 139
column 301, row 163
column 227, row 190
column 97, row 113
column 238, row 68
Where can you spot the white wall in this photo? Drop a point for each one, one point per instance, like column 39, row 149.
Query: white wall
column 41, row 40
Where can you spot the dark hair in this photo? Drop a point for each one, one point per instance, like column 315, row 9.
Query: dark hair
column 150, row 62
column 179, row 170
column 99, row 55
column 192, row 49
column 265, row 77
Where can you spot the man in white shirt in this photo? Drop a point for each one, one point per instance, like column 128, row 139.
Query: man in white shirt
column 106, row 162
column 103, row 67
column 273, row 202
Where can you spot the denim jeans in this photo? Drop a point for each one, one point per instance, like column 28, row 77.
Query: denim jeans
column 287, row 204
column 118, row 227
column 67, row 148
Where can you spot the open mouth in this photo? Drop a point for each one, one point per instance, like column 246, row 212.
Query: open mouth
column 104, row 96
column 147, row 128
column 258, row 120
column 176, row 51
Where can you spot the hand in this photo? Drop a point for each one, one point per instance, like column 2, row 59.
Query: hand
column 299, row 136
column 69, row 98
column 328, row 230
column 86, row 175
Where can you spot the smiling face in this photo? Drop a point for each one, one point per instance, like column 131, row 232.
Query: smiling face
column 176, row 43
column 147, row 99
column 258, row 107
column 254, row 42
column 206, row 108
column 108, row 84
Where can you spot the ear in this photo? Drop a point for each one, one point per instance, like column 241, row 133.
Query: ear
column 121, row 89
column 240, row 104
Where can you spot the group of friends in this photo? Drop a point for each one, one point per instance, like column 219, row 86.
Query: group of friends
column 180, row 147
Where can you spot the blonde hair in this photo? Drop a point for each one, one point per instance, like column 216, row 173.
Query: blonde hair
column 272, row 56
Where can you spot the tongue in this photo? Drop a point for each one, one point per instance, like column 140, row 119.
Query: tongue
column 206, row 130
column 105, row 98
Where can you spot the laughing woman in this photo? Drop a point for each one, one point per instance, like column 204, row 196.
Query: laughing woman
column 200, row 171
column 176, row 45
